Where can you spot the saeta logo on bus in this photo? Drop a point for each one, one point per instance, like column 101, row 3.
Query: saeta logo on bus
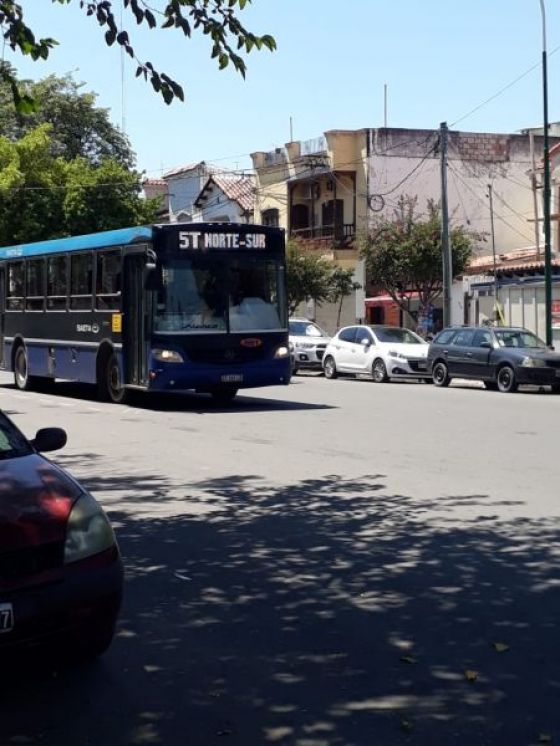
column 204, row 241
column 88, row 328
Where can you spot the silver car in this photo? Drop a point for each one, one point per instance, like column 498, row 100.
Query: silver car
column 309, row 344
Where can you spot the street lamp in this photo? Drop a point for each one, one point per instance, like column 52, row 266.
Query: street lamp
column 546, row 192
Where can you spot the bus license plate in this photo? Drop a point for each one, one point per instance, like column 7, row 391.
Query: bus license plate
column 232, row 378
column 6, row 618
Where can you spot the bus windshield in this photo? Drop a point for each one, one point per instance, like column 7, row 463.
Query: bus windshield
column 219, row 294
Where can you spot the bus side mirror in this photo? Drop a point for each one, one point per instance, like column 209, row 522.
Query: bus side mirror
column 151, row 261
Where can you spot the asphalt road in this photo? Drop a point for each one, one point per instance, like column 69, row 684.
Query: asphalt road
column 323, row 564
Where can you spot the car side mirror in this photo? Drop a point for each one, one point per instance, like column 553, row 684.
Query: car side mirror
column 365, row 342
column 49, row 439
column 487, row 345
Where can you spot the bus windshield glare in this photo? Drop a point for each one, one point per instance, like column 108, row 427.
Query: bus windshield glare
column 240, row 293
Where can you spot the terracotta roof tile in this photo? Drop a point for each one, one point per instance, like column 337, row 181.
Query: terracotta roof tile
column 240, row 189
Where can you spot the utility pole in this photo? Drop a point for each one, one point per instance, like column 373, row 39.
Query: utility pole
column 496, row 300
column 546, row 192
column 445, row 243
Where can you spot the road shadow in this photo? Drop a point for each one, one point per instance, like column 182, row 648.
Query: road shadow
column 324, row 612
column 171, row 402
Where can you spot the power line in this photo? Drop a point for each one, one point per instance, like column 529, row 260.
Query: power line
column 477, row 197
column 502, row 90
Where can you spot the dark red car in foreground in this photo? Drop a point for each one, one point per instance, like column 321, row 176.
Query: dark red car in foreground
column 61, row 574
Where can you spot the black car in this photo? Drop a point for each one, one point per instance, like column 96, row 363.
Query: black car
column 502, row 357
column 61, row 574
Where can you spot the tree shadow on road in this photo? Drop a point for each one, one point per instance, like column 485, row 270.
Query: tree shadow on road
column 322, row 612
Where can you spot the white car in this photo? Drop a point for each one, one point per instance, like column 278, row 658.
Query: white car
column 382, row 351
column 309, row 343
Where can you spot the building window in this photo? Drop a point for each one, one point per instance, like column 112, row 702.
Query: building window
column 299, row 217
column 333, row 216
column 271, row 218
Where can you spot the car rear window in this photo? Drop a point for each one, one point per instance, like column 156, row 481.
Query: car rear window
column 398, row 335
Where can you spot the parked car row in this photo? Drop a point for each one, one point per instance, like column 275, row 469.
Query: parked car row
column 503, row 358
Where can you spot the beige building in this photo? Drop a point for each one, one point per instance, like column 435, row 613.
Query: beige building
column 327, row 191
column 317, row 190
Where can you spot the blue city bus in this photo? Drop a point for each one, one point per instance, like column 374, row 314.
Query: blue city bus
column 170, row 308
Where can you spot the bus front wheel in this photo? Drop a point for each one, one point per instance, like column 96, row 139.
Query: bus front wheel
column 113, row 388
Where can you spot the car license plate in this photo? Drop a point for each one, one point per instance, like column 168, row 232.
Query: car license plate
column 557, row 373
column 422, row 366
column 232, row 378
column 6, row 618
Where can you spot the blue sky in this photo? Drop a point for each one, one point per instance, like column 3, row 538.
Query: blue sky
column 438, row 59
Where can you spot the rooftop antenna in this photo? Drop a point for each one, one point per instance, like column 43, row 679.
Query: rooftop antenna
column 385, row 105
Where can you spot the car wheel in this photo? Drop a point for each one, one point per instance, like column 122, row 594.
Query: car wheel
column 379, row 371
column 491, row 385
column 224, row 394
column 329, row 367
column 295, row 370
column 440, row 375
column 555, row 388
column 506, row 380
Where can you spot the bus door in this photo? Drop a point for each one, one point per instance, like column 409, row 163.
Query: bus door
column 135, row 348
column 2, row 316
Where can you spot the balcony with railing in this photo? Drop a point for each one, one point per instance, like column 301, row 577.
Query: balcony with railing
column 337, row 232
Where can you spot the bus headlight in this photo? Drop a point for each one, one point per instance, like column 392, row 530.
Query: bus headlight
column 88, row 531
column 281, row 352
column 167, row 356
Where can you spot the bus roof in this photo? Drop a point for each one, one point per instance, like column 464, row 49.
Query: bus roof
column 123, row 236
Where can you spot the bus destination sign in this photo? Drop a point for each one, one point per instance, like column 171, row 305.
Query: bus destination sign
column 206, row 241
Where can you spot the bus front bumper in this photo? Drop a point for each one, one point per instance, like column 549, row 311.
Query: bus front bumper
column 176, row 377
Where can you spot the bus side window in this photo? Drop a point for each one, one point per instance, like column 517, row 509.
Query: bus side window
column 57, row 283
column 108, row 282
column 35, row 285
column 81, row 281
column 15, row 286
